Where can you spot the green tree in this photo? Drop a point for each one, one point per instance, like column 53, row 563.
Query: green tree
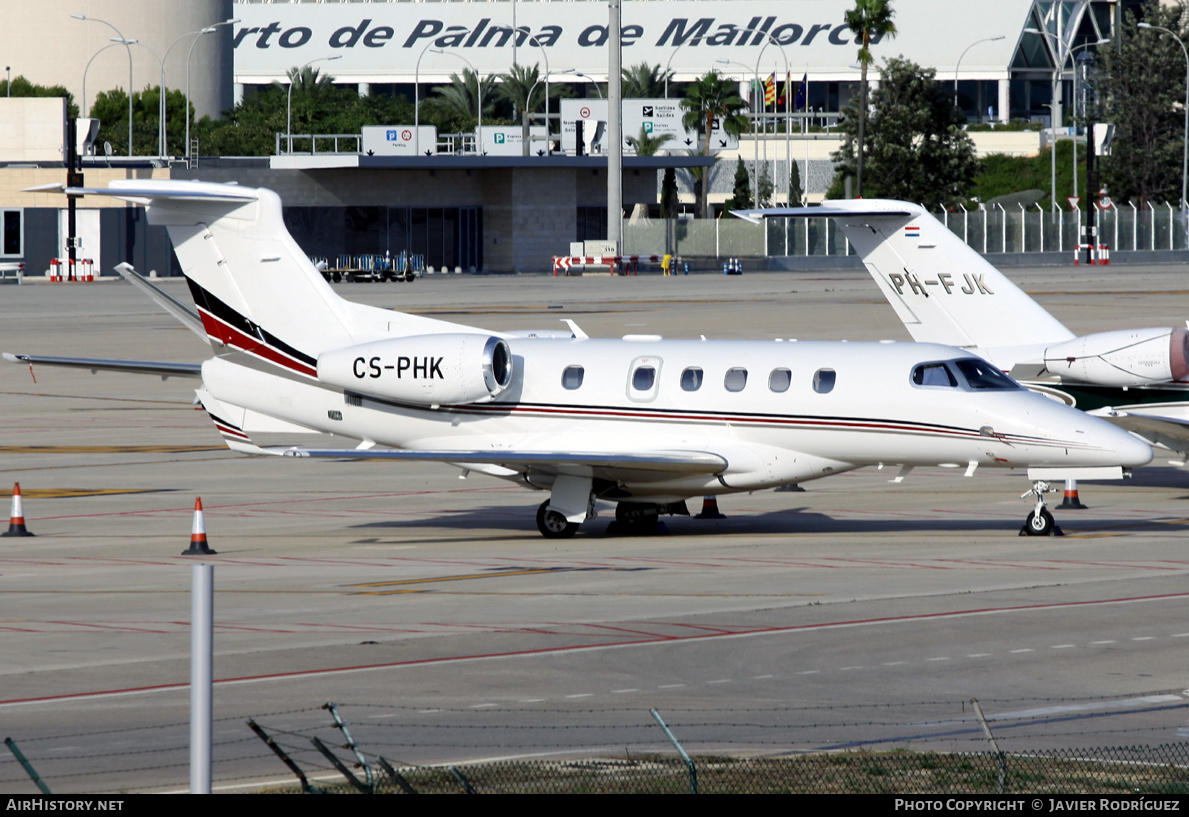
column 111, row 109
column 670, row 201
column 916, row 149
column 712, row 98
column 741, row 196
column 1142, row 88
column 796, row 195
column 871, row 21
column 644, row 81
column 764, row 187
column 462, row 96
column 22, row 87
column 645, row 144
column 516, row 86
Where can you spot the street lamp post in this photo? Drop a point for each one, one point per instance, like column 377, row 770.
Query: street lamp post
column 667, row 64
column 200, row 32
column 160, row 100
column 527, row 99
column 591, row 80
column 755, row 134
column 289, row 99
column 1185, row 134
column 121, row 40
column 787, row 119
column 478, row 97
column 959, row 65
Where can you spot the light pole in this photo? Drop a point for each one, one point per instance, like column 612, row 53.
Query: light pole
column 591, row 80
column 478, row 97
column 755, row 134
column 83, row 105
column 124, row 41
column 959, row 65
column 1185, row 134
column 527, row 99
column 787, row 119
column 160, row 100
column 289, row 99
column 164, row 110
column 667, row 64
column 1089, row 160
column 1054, row 108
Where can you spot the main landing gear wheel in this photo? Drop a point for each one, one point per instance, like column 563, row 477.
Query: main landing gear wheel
column 554, row 525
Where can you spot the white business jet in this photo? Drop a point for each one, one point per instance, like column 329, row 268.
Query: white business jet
column 945, row 292
column 640, row 421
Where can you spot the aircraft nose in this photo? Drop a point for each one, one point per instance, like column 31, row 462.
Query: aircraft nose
column 1108, row 444
column 1133, row 451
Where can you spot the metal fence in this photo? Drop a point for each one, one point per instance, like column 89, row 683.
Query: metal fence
column 996, row 229
column 907, row 747
column 1112, row 771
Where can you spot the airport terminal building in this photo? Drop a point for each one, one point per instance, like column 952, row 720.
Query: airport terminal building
column 503, row 212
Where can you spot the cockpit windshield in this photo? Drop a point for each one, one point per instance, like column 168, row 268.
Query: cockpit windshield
column 969, row 373
column 980, row 374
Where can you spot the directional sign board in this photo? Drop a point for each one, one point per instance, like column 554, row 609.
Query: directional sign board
column 658, row 117
column 508, row 140
column 398, row 140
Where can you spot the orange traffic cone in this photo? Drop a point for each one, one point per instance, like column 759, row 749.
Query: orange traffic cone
column 710, row 509
column 198, row 545
column 1071, row 501
column 16, row 521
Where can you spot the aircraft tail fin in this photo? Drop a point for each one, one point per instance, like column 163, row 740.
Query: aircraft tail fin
column 942, row 290
column 255, row 289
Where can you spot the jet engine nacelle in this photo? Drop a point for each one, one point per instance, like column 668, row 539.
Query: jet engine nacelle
column 1125, row 357
column 426, row 370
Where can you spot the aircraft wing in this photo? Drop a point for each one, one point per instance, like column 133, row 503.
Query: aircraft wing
column 162, row 369
column 670, row 462
column 1170, row 432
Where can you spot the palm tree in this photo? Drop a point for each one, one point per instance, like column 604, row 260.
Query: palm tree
column 870, row 20
column 712, row 98
column 461, row 97
column 644, row 81
column 645, row 144
column 516, row 85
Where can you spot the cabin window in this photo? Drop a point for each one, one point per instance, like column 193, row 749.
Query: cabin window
column 736, row 379
column 691, row 379
column 823, row 380
column 643, row 378
column 934, row 374
column 571, row 378
column 780, row 380
column 980, row 374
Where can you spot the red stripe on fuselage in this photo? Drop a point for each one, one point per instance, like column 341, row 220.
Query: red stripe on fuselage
column 229, row 335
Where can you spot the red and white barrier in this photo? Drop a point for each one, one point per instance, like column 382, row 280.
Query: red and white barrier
column 630, row 263
column 1099, row 254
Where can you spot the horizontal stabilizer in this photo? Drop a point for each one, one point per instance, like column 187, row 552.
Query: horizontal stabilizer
column 143, row 194
column 188, row 316
column 162, row 369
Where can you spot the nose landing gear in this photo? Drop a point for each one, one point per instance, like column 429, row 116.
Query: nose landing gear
column 1039, row 522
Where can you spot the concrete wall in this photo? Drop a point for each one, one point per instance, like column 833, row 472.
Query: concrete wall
column 44, row 44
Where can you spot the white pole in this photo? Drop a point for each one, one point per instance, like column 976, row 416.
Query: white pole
column 202, row 652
